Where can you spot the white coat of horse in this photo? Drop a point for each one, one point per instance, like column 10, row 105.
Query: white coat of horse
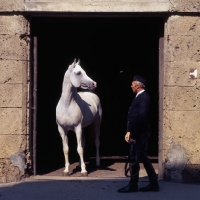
column 76, row 110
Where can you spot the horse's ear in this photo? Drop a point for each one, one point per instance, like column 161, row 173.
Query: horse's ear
column 78, row 62
column 73, row 64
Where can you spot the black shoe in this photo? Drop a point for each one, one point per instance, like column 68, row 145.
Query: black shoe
column 151, row 187
column 128, row 188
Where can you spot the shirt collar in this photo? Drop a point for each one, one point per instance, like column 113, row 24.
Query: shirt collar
column 139, row 92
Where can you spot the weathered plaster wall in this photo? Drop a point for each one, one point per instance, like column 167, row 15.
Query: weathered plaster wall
column 14, row 84
column 181, row 131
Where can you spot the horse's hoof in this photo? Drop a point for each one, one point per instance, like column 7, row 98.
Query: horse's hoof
column 65, row 173
column 84, row 174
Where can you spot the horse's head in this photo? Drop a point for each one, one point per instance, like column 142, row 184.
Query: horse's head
column 79, row 78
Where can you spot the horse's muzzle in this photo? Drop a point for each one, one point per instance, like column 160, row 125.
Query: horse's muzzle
column 94, row 85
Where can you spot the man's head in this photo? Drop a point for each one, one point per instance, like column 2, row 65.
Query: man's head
column 138, row 84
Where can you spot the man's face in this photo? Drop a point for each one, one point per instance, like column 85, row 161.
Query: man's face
column 134, row 87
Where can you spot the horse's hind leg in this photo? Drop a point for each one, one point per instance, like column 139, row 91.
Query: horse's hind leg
column 96, row 126
column 65, row 149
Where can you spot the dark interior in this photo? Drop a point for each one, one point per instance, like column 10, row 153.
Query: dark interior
column 111, row 51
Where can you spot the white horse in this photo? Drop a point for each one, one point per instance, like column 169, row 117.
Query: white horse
column 76, row 110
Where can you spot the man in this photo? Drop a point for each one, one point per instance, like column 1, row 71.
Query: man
column 138, row 132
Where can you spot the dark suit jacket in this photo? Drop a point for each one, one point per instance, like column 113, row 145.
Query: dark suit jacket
column 137, row 122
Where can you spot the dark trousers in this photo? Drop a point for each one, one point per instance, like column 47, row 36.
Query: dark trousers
column 138, row 152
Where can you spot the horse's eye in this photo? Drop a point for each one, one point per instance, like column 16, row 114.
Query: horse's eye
column 78, row 73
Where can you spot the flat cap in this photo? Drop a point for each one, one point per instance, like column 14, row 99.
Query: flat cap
column 139, row 78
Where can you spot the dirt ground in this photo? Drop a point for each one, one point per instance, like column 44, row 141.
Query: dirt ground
column 111, row 167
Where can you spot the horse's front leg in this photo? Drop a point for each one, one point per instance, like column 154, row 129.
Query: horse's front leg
column 80, row 147
column 83, row 145
column 63, row 135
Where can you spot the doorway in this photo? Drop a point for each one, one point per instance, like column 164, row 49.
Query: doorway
column 111, row 51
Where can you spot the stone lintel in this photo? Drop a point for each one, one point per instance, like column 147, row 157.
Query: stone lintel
column 98, row 6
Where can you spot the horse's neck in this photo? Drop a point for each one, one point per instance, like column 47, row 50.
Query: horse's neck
column 69, row 92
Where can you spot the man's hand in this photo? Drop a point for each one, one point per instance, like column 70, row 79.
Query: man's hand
column 128, row 139
column 127, row 136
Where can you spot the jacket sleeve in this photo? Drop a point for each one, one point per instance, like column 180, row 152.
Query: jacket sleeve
column 128, row 129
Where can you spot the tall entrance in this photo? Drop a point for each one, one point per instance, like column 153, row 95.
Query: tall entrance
column 111, row 50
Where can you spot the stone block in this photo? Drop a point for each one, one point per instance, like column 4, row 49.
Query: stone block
column 2, row 167
column 13, row 173
column 9, row 172
column 166, row 146
column 11, row 5
column 13, row 24
column 13, row 48
column 11, row 121
column 178, row 73
column 182, row 48
column 182, row 125
column 11, row 95
column 194, row 49
column 2, row 179
column 11, row 71
column 182, row 98
column 192, row 148
column 184, row 6
column 3, row 170
column 182, row 25
column 11, row 144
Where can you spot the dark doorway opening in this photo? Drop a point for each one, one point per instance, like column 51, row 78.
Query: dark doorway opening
column 111, row 51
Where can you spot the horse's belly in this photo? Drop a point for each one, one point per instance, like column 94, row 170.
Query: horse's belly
column 87, row 122
column 89, row 114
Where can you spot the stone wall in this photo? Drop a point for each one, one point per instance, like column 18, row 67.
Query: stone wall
column 14, row 84
column 181, row 130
